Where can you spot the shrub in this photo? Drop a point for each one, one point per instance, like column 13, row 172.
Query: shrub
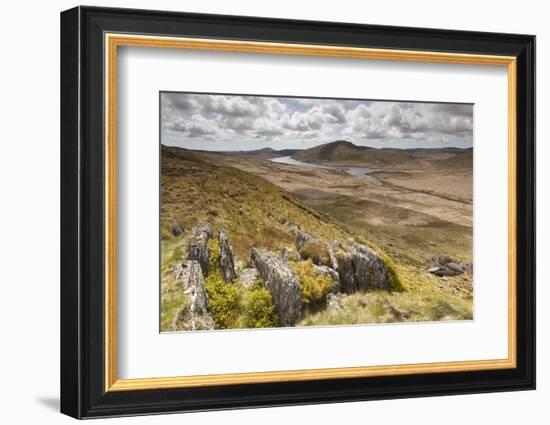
column 223, row 298
column 316, row 252
column 223, row 302
column 259, row 311
column 315, row 287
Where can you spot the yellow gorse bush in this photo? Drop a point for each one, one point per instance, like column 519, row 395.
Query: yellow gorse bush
column 231, row 305
column 259, row 311
column 315, row 287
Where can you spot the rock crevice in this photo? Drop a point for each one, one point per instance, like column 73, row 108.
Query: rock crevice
column 225, row 258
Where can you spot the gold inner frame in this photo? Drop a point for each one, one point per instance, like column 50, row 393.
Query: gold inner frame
column 113, row 41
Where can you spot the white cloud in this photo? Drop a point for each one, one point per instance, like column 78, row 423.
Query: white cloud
column 252, row 122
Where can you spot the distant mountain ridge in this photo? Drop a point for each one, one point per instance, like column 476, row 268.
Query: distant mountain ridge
column 270, row 151
column 343, row 152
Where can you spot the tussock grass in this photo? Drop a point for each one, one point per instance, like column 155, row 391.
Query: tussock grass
column 316, row 252
column 384, row 307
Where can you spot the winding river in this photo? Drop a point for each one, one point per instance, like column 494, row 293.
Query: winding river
column 363, row 172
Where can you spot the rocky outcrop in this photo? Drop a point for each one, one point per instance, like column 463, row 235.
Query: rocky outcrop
column 175, row 228
column 225, row 258
column 327, row 271
column 198, row 246
column 370, row 269
column 282, row 283
column 194, row 314
column 443, row 265
column 359, row 267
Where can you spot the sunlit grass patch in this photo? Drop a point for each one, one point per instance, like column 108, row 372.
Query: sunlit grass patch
column 384, row 307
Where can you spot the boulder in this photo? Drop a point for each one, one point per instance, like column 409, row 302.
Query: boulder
column 443, row 265
column 225, row 258
column 327, row 271
column 359, row 268
column 370, row 269
column 198, row 246
column 438, row 261
column 248, row 276
column 175, row 228
column 279, row 279
column 194, row 314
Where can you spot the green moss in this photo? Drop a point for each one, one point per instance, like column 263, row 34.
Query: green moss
column 394, row 280
column 315, row 287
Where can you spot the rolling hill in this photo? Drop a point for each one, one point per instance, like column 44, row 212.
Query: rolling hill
column 346, row 153
column 342, row 152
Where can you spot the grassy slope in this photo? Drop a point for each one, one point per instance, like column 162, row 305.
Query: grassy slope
column 253, row 211
column 258, row 213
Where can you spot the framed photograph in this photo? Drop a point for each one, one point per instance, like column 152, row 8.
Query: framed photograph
column 261, row 212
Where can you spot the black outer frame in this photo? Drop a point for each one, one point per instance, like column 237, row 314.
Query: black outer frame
column 82, row 212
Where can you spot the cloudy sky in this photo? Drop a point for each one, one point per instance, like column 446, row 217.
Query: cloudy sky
column 229, row 122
